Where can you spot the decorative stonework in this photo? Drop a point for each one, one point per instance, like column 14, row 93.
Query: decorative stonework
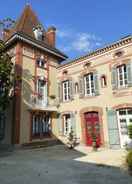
column 122, row 106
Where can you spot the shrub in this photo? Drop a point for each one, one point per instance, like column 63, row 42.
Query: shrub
column 130, row 131
column 129, row 160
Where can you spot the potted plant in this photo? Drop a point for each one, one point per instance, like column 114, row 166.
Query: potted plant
column 94, row 142
column 71, row 140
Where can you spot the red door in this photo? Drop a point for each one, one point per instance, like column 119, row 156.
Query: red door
column 92, row 128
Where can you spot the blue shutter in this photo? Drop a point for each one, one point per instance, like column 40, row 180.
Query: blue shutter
column 129, row 73
column 81, row 86
column 96, row 84
column 71, row 90
column 114, row 79
column 73, row 123
column 113, row 131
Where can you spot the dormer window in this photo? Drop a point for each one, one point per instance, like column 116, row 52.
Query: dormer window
column 38, row 33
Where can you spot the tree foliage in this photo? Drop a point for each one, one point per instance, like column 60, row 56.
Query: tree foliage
column 5, row 77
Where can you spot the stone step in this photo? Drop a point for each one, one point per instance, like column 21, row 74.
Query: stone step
column 41, row 144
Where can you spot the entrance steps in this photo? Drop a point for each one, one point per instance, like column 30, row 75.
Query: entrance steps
column 41, row 144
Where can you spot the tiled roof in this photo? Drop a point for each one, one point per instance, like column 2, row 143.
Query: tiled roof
column 24, row 28
column 27, row 21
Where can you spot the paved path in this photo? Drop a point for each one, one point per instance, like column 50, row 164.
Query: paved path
column 57, row 165
column 103, row 156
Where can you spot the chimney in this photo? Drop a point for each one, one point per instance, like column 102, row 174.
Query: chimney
column 51, row 36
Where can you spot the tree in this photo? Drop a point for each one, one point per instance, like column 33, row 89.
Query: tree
column 6, row 83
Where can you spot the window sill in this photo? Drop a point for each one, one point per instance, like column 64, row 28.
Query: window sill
column 125, row 91
column 44, row 68
column 88, row 96
column 66, row 101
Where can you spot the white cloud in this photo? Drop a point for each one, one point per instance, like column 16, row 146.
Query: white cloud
column 64, row 33
column 80, row 42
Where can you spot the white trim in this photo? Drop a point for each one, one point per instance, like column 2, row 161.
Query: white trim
column 90, row 84
column 127, row 117
column 66, row 90
column 123, row 76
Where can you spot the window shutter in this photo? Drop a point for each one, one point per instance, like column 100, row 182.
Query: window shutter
column 81, row 86
column 96, row 84
column 73, row 123
column 60, row 92
column 113, row 130
column 59, row 124
column 71, row 89
column 129, row 74
column 114, row 80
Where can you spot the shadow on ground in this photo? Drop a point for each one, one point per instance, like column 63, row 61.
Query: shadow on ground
column 56, row 165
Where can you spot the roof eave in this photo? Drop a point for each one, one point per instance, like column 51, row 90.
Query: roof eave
column 102, row 50
column 17, row 36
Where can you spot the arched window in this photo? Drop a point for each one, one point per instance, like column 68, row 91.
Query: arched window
column 76, row 87
column 103, row 81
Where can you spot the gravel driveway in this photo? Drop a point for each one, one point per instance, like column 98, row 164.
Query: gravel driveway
column 56, row 165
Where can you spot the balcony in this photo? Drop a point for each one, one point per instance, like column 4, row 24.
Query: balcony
column 38, row 102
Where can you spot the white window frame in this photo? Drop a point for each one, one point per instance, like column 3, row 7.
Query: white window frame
column 41, row 92
column 89, row 82
column 122, row 73
column 66, row 90
column 127, row 117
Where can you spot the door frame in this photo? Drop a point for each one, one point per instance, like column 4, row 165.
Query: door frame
column 40, row 136
column 92, row 125
column 83, row 126
column 126, row 116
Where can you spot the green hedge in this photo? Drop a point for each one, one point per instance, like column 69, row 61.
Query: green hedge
column 130, row 131
column 129, row 160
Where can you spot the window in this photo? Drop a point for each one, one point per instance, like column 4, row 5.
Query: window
column 40, row 87
column 124, row 117
column 41, row 92
column 103, row 81
column 66, row 90
column 67, row 124
column 89, row 84
column 76, row 88
column 41, row 63
column 40, row 125
column 122, row 76
column 38, row 33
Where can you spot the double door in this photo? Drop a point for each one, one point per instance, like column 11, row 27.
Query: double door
column 41, row 125
column 124, row 117
column 92, row 126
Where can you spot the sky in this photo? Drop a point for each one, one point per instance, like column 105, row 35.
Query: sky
column 82, row 25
